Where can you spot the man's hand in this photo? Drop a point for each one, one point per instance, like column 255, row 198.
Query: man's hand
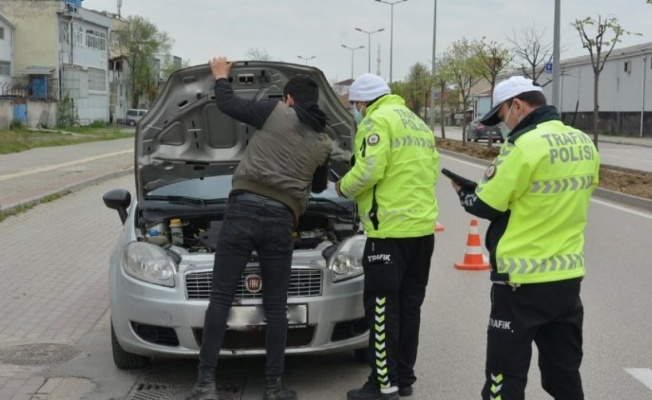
column 220, row 67
column 456, row 186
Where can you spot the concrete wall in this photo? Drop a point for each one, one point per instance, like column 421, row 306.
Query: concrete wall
column 39, row 113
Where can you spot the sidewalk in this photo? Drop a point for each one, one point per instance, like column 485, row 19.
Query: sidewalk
column 32, row 176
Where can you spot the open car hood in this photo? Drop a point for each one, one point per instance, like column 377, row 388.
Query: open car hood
column 185, row 136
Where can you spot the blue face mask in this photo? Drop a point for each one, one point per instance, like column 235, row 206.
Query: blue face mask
column 357, row 115
column 504, row 129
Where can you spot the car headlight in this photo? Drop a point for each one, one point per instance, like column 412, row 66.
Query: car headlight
column 346, row 262
column 148, row 263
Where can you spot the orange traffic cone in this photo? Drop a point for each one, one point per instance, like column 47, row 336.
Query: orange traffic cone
column 473, row 258
column 439, row 227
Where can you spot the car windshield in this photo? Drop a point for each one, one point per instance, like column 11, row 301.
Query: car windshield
column 211, row 188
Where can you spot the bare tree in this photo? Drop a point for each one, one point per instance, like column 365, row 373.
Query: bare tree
column 463, row 72
column 258, row 54
column 531, row 52
column 491, row 60
column 599, row 37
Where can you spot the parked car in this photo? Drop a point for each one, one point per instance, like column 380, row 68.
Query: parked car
column 134, row 115
column 476, row 131
column 160, row 272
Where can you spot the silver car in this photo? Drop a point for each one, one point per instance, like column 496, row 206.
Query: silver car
column 160, row 272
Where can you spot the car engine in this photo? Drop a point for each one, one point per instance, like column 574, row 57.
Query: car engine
column 199, row 234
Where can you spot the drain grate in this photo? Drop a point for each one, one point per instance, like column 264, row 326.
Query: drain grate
column 163, row 382
column 40, row 354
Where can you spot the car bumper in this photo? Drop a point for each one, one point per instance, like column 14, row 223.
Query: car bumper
column 153, row 320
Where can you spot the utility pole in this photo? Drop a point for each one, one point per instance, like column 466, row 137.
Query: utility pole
column 353, row 49
column 432, row 73
column 556, row 67
column 391, row 40
column 369, row 33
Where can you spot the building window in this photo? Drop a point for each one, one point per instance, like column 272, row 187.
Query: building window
column 95, row 39
column 2, row 33
column 5, row 68
column 628, row 66
column 97, row 79
column 79, row 36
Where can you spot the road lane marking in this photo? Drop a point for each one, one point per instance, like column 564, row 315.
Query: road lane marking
column 643, row 375
column 593, row 199
column 57, row 166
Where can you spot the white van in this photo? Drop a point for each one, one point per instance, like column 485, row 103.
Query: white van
column 134, row 115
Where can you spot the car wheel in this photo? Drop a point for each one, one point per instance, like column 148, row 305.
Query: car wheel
column 123, row 359
column 132, row 123
column 361, row 355
column 476, row 138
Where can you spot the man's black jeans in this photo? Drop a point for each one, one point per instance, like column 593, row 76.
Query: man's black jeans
column 251, row 222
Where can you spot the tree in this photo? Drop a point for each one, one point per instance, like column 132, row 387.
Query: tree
column 531, row 53
column 491, row 59
column 140, row 42
column 417, row 85
column 463, row 71
column 170, row 65
column 441, row 82
column 599, row 37
column 258, row 54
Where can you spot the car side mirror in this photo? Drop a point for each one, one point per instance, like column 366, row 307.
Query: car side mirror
column 119, row 200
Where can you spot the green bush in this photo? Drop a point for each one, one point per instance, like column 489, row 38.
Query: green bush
column 16, row 125
column 98, row 124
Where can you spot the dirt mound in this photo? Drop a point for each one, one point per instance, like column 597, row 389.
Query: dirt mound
column 624, row 180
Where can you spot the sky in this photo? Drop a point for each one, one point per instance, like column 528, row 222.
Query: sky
column 287, row 29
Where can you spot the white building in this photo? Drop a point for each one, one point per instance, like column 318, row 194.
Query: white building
column 625, row 91
column 6, row 52
column 61, row 54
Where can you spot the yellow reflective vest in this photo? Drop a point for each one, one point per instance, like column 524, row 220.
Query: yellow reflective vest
column 544, row 178
column 395, row 171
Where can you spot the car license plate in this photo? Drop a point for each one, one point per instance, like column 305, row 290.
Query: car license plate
column 255, row 315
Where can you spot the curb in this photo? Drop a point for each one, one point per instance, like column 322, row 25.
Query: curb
column 68, row 189
column 606, row 194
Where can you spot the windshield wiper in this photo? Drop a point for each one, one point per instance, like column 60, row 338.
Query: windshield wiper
column 185, row 200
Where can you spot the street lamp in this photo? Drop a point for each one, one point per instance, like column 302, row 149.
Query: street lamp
column 306, row 59
column 391, row 34
column 353, row 49
column 369, row 43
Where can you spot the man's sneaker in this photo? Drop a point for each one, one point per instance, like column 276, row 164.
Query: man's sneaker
column 205, row 388
column 204, row 392
column 405, row 391
column 274, row 390
column 370, row 391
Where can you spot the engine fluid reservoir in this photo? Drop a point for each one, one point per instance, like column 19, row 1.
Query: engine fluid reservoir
column 176, row 231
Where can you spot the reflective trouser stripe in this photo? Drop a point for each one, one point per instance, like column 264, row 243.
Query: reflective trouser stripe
column 382, row 371
column 496, row 385
column 531, row 265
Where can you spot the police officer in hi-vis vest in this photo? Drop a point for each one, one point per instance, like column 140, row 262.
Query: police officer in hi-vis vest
column 536, row 195
column 393, row 182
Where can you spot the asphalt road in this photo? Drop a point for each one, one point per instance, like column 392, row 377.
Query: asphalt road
column 629, row 153
column 55, row 291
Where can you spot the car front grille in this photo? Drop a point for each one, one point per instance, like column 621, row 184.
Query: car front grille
column 255, row 339
column 303, row 283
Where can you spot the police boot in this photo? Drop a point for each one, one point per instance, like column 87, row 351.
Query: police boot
column 205, row 388
column 274, row 390
column 370, row 391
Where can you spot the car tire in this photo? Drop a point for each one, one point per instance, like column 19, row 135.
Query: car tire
column 476, row 138
column 132, row 123
column 361, row 355
column 123, row 359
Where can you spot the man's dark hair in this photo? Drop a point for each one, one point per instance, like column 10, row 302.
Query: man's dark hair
column 534, row 98
column 302, row 88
